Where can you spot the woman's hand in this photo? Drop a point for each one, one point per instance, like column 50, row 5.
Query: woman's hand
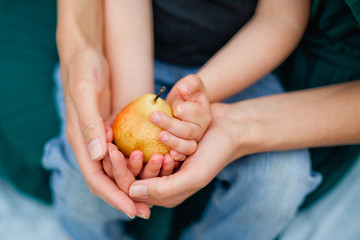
column 214, row 152
column 87, row 99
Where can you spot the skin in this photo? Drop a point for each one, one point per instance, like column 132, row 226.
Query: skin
column 90, row 101
column 86, row 84
column 325, row 116
column 257, row 48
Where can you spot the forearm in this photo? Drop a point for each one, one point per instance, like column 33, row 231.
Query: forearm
column 324, row 116
column 129, row 49
column 257, row 48
column 80, row 26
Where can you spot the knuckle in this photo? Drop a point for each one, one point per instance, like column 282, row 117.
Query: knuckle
column 175, row 142
column 75, row 87
column 188, row 133
column 87, row 126
column 191, row 147
column 180, row 157
column 207, row 119
column 161, row 193
column 167, row 122
column 92, row 190
column 70, row 134
column 195, row 81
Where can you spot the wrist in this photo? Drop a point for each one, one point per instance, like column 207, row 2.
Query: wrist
column 79, row 28
column 246, row 128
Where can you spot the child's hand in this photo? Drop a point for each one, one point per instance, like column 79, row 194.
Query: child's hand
column 133, row 167
column 117, row 166
column 191, row 109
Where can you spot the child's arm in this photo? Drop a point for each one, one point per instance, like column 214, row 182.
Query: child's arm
column 129, row 49
column 260, row 46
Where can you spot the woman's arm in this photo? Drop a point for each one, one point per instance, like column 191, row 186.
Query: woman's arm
column 260, row 46
column 87, row 97
column 318, row 117
column 324, row 116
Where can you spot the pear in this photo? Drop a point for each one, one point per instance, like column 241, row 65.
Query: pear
column 133, row 129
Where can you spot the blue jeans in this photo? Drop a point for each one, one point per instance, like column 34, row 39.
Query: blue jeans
column 254, row 197
column 334, row 216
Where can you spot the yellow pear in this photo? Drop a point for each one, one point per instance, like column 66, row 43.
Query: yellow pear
column 133, row 129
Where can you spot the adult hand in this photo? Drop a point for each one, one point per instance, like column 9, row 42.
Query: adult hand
column 87, row 99
column 215, row 151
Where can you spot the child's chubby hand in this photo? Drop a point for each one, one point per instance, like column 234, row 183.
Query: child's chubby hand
column 124, row 170
column 192, row 113
column 191, row 109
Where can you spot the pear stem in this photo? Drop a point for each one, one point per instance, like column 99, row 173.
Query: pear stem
column 159, row 94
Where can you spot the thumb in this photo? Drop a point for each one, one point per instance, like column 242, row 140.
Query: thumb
column 164, row 191
column 191, row 88
column 91, row 123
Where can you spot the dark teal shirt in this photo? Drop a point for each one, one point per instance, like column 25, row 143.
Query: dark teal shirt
column 329, row 53
column 27, row 110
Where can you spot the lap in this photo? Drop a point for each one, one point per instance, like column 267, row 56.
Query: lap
column 258, row 177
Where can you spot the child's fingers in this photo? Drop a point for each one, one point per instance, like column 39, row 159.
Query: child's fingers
column 135, row 162
column 180, row 145
column 196, row 113
column 191, row 88
column 177, row 156
column 175, row 126
column 177, row 165
column 107, row 166
column 152, row 168
column 109, row 133
column 168, row 166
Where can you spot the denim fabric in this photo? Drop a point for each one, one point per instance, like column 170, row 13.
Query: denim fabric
column 335, row 216
column 255, row 197
column 23, row 217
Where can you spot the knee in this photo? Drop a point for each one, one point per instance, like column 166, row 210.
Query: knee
column 272, row 184
column 286, row 181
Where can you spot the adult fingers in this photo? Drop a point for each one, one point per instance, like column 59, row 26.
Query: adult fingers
column 123, row 178
column 86, row 98
column 167, row 191
column 99, row 183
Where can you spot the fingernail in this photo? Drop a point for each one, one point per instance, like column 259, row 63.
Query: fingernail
column 155, row 118
column 138, row 191
column 174, row 153
column 157, row 161
column 184, row 88
column 130, row 216
column 164, row 137
column 95, row 148
column 138, row 157
column 142, row 216
column 178, row 111
column 111, row 158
